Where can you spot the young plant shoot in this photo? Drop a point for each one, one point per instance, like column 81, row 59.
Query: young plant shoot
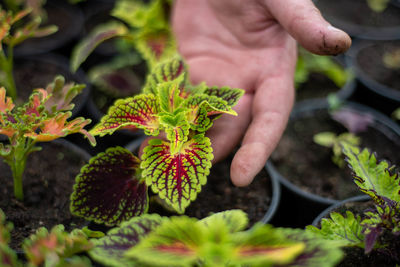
column 43, row 118
column 12, row 33
column 218, row 240
column 380, row 228
column 113, row 187
column 331, row 140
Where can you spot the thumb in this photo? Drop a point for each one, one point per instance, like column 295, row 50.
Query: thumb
column 305, row 23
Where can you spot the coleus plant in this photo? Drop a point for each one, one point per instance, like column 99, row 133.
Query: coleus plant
column 12, row 33
column 148, row 30
column 378, row 228
column 42, row 118
column 56, row 248
column 334, row 141
column 218, row 240
column 113, row 187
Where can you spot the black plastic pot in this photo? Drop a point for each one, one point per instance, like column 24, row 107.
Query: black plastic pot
column 37, row 71
column 69, row 20
column 373, row 92
column 358, row 20
column 325, row 213
column 299, row 207
column 275, row 185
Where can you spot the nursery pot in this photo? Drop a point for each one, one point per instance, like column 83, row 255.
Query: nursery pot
column 260, row 200
column 358, row 20
column 380, row 85
column 47, row 181
column 355, row 256
column 311, row 181
column 319, row 85
column 68, row 19
column 38, row 71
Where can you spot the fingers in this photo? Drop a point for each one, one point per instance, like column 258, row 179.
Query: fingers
column 272, row 104
column 305, row 23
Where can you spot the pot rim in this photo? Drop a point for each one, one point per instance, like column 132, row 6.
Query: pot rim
column 316, row 104
column 325, row 212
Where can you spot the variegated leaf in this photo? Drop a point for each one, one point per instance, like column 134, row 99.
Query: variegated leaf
column 235, row 220
column 372, row 177
column 139, row 111
column 177, row 177
column 203, row 109
column 230, row 95
column 100, row 34
column 109, row 188
column 165, row 72
column 110, row 249
column 168, row 94
column 176, row 242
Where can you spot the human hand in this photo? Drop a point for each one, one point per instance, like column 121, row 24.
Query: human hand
column 250, row 44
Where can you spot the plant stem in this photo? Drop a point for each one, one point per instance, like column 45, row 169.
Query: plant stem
column 18, row 171
column 11, row 87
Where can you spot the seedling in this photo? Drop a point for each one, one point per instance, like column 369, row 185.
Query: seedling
column 43, row 118
column 218, row 240
column 380, row 228
column 13, row 32
column 331, row 140
column 391, row 59
column 54, row 248
column 113, row 187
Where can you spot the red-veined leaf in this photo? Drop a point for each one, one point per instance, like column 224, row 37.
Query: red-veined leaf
column 177, row 177
column 109, row 189
column 230, row 95
column 139, row 111
column 6, row 103
column 165, row 72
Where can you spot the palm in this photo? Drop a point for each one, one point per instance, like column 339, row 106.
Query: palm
column 240, row 44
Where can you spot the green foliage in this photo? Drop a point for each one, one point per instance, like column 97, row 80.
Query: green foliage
column 13, row 31
column 43, row 118
column 380, row 227
column 148, row 31
column 308, row 63
column 218, row 240
column 345, row 231
column 331, row 140
column 175, row 168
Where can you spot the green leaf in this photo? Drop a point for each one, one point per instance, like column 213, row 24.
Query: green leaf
column 167, row 71
column 236, row 220
column 378, row 5
column 373, row 178
column 177, row 177
column 317, row 253
column 174, row 243
column 263, row 245
column 230, row 95
column 326, row 139
column 110, row 250
column 169, row 94
column 345, row 231
column 100, row 34
column 139, row 111
column 109, row 189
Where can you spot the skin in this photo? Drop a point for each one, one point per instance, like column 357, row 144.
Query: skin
column 251, row 44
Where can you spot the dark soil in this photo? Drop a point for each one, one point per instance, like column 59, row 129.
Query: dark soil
column 48, row 181
column 317, row 86
column 309, row 166
column 219, row 194
column 356, row 12
column 369, row 60
column 37, row 72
